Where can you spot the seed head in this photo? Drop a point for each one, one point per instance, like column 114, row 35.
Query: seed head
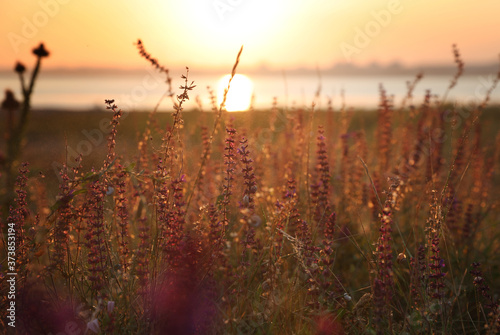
column 20, row 68
column 41, row 51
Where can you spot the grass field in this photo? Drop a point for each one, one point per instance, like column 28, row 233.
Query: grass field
column 280, row 221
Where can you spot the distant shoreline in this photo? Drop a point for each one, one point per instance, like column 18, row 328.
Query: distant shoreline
column 343, row 69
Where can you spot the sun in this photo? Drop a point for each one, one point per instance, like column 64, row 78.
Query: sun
column 239, row 96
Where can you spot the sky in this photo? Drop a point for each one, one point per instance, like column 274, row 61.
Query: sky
column 280, row 34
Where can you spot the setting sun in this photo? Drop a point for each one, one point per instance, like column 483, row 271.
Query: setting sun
column 240, row 92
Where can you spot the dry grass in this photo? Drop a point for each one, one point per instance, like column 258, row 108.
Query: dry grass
column 274, row 222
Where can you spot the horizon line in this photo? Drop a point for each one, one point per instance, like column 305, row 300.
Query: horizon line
column 373, row 67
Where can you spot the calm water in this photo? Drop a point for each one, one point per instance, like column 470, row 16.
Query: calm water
column 141, row 91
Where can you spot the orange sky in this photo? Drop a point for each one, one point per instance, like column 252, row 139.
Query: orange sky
column 278, row 33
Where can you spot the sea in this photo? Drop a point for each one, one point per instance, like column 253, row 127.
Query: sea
column 143, row 90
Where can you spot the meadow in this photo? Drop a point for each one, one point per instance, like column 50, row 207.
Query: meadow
column 280, row 221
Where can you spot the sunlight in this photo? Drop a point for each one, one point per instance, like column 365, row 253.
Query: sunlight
column 235, row 21
column 240, row 93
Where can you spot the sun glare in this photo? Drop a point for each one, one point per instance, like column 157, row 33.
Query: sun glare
column 240, row 93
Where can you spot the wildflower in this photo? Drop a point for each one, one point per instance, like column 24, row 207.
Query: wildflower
column 20, row 68
column 321, row 188
column 41, row 51
column 230, row 163
column 482, row 287
column 460, row 66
